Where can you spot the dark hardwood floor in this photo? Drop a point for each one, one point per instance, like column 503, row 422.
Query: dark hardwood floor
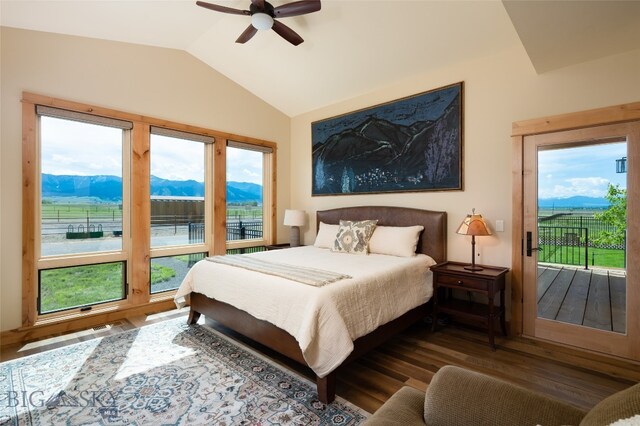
column 413, row 357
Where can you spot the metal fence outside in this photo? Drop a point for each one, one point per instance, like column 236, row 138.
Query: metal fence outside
column 595, row 227
column 564, row 245
column 236, row 230
column 566, row 239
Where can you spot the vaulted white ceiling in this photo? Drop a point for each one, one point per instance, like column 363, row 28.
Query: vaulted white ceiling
column 351, row 46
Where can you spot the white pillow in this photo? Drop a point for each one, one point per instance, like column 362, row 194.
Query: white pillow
column 395, row 240
column 326, row 235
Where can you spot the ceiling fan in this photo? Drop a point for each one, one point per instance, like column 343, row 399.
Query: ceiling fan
column 262, row 17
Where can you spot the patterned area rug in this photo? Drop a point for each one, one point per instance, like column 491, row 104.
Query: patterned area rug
column 167, row 373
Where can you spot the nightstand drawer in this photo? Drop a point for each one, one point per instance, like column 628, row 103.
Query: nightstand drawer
column 465, row 282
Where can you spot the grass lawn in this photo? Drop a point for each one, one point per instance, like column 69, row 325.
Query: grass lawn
column 66, row 288
column 244, row 212
column 567, row 255
column 106, row 211
column 160, row 273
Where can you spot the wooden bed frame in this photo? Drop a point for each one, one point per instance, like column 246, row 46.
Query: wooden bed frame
column 433, row 241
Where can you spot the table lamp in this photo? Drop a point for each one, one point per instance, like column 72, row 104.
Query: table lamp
column 473, row 225
column 294, row 219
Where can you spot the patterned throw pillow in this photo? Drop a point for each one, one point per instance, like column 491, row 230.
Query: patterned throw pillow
column 353, row 236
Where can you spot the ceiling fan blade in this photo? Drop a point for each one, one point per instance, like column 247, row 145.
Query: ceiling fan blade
column 222, row 9
column 297, row 8
column 287, row 33
column 258, row 3
column 247, row 34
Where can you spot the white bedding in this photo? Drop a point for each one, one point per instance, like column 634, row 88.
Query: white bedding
column 324, row 320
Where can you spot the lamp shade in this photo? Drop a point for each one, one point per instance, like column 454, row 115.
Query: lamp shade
column 294, row 217
column 473, row 224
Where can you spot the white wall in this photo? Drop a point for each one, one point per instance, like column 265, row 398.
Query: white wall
column 161, row 83
column 498, row 89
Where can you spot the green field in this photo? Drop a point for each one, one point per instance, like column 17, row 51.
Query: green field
column 54, row 211
column 604, row 258
column 67, row 288
column 105, row 211
column 244, row 212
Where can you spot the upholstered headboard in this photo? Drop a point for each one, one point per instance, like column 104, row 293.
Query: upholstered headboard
column 433, row 240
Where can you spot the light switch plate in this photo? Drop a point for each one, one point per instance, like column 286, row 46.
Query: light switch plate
column 499, row 225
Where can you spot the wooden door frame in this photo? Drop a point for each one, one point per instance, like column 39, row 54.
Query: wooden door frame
column 577, row 120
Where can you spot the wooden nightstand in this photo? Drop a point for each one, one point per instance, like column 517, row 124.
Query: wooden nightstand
column 278, row 246
column 452, row 276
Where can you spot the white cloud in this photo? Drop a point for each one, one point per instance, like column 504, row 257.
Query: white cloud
column 177, row 159
column 74, row 148
column 244, row 165
column 586, row 186
column 587, row 182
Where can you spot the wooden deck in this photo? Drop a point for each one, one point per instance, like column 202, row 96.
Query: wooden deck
column 593, row 298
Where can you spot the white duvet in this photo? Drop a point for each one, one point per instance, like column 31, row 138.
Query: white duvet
column 324, row 320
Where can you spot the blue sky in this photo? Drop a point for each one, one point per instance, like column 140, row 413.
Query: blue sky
column 585, row 170
column 74, row 148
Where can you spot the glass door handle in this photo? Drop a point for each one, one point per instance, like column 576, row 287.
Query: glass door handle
column 530, row 249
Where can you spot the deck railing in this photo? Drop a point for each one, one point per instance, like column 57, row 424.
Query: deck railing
column 565, row 245
column 595, row 227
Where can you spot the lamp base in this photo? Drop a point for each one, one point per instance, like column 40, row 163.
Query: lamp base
column 294, row 236
column 473, row 268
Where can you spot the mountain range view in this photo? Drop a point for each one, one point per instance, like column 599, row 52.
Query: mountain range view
column 578, row 202
column 109, row 188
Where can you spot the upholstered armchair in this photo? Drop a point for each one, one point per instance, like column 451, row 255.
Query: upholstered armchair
column 461, row 397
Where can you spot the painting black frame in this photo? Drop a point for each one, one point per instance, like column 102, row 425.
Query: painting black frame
column 409, row 144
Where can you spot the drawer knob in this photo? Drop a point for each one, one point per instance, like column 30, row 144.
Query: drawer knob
column 460, row 282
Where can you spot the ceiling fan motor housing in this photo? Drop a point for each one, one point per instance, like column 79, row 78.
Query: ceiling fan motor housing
column 268, row 9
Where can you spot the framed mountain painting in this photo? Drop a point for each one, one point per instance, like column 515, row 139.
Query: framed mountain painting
column 409, row 144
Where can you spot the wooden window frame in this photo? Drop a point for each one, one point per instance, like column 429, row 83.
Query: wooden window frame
column 138, row 250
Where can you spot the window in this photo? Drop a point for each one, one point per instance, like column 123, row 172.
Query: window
column 117, row 207
column 79, row 286
column 168, row 272
column 177, row 188
column 248, row 194
column 180, row 203
column 83, row 183
column 81, row 186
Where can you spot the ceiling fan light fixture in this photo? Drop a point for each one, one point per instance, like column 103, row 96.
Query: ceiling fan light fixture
column 261, row 21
